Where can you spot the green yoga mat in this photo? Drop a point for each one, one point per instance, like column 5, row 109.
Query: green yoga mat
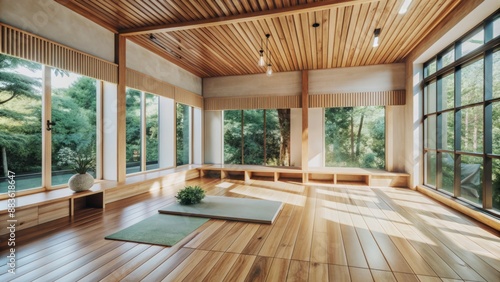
column 160, row 229
column 239, row 209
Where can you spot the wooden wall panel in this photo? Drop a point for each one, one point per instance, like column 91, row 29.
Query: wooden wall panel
column 381, row 98
column 53, row 211
column 144, row 82
column 189, row 98
column 18, row 43
column 243, row 103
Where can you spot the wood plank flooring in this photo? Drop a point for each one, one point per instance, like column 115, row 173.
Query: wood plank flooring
column 323, row 233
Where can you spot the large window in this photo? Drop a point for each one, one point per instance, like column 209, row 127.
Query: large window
column 463, row 160
column 133, row 130
column 20, row 122
column 183, row 127
column 259, row 137
column 152, row 131
column 74, row 112
column 70, row 107
column 142, row 131
column 355, row 137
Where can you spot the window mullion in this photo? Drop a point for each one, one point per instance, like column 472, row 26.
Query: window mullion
column 46, row 134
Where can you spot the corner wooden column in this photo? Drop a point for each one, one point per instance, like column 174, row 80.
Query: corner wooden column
column 120, row 53
column 305, row 120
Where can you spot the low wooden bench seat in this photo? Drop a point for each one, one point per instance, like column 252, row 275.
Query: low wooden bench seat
column 38, row 208
column 337, row 175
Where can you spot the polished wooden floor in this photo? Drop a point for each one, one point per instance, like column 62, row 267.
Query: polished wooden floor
column 323, row 233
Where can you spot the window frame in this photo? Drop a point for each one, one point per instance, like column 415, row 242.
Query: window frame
column 484, row 52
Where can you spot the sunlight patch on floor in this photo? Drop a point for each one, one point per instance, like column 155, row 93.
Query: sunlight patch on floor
column 269, row 194
column 224, row 185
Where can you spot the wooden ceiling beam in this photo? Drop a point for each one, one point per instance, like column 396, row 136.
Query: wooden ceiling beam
column 260, row 15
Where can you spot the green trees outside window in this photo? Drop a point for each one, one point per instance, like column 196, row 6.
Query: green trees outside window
column 74, row 112
column 259, row 137
column 73, row 109
column 355, row 137
column 183, row 134
column 142, row 129
column 20, row 122
column 133, row 130
column 152, row 129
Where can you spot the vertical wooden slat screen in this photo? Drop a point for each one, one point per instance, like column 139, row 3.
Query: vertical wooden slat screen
column 21, row 44
column 189, row 98
column 245, row 103
column 143, row 82
column 379, row 98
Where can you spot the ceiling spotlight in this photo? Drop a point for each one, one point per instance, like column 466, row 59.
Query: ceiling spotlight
column 157, row 42
column 315, row 25
column 404, row 7
column 376, row 34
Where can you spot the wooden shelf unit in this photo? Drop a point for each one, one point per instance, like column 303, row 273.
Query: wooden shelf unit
column 349, row 176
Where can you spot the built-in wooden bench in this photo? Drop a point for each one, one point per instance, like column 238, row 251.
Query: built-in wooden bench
column 38, row 208
column 359, row 176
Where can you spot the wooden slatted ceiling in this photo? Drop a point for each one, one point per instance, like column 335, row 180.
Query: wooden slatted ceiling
column 343, row 39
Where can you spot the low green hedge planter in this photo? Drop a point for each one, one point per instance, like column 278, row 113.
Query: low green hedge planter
column 190, row 195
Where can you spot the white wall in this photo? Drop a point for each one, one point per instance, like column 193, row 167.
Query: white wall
column 166, row 134
column 214, row 137
column 316, row 137
column 110, row 132
column 296, row 137
column 197, row 136
column 280, row 84
column 53, row 21
column 357, row 79
column 145, row 61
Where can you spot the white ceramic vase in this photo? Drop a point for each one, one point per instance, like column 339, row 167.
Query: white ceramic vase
column 81, row 182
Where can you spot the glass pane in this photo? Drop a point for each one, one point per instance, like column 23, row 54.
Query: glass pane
column 355, row 137
column 183, row 134
column 431, row 132
column 430, row 168
column 448, row 172
column 496, row 128
column 471, row 43
column 496, row 28
column 471, row 178
column 472, row 130
column 430, row 68
column 431, row 94
column 253, row 134
column 448, row 58
column 133, row 130
column 496, row 184
column 232, row 137
column 496, row 74
column 151, row 131
column 426, row 98
column 20, row 123
column 447, row 91
column 445, row 133
column 472, row 83
column 74, row 111
column 278, row 137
